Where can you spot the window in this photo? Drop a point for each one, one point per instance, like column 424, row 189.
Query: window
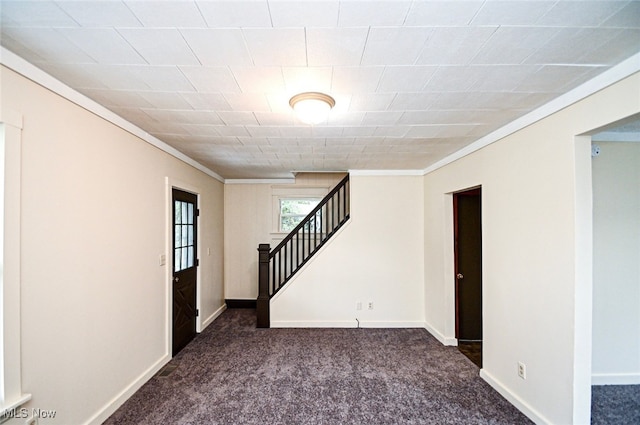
column 184, row 246
column 292, row 211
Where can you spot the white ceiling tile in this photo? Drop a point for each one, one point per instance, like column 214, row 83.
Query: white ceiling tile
column 437, row 131
column 381, row 118
column 394, row 46
column 305, row 79
column 413, row 101
column 232, row 131
column 259, row 79
column 550, row 78
column 356, row 79
column 326, row 131
column 165, row 100
column 206, row 101
column 335, row 46
column 100, row 13
column 75, row 76
column 363, row 135
column 160, row 46
column 501, row 49
column 167, row 13
column 277, row 46
column 511, row 12
column 580, row 13
column 454, row 45
column 237, row 118
column 121, row 98
column 391, row 131
column 248, row 102
column 627, row 17
column 274, row 118
column 455, row 78
column 345, row 118
column 442, row 13
column 161, row 78
column 442, row 117
column 201, row 130
column 371, row 102
column 218, row 47
column 211, row 79
column 117, row 77
column 104, row 45
column 236, row 14
column 29, row 13
column 405, row 78
column 502, row 77
column 613, row 50
column 373, row 13
column 568, row 45
column 46, row 43
column 304, row 14
column 300, row 130
column 19, row 48
column 263, row 131
column 184, row 116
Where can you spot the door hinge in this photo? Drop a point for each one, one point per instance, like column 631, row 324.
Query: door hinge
column 197, row 262
column 197, row 312
column 197, row 212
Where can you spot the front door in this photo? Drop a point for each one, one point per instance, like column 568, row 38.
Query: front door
column 468, row 267
column 185, row 231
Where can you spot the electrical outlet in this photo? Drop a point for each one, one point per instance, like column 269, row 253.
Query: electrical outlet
column 370, row 307
column 359, row 305
column 522, row 370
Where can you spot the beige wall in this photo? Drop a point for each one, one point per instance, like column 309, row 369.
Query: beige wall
column 95, row 316
column 616, row 264
column 536, row 224
column 376, row 257
column 250, row 220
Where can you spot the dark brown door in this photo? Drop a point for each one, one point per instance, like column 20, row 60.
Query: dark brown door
column 185, row 231
column 468, row 264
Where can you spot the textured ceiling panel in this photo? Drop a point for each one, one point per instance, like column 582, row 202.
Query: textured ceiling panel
column 413, row 81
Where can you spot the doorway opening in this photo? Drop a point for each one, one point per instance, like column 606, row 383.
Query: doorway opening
column 467, row 218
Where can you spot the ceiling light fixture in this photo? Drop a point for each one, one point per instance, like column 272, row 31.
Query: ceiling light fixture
column 312, row 107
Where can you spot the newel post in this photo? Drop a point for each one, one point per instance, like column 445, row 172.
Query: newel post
column 262, row 304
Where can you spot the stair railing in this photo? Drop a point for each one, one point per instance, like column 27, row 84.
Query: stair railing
column 277, row 266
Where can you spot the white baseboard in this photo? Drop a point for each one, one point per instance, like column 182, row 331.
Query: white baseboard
column 344, row 324
column 108, row 409
column 520, row 404
column 615, row 379
column 444, row 340
column 214, row 316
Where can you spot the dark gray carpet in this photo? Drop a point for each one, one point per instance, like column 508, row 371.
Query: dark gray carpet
column 615, row 404
column 233, row 373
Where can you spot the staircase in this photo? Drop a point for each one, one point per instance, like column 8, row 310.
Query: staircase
column 278, row 265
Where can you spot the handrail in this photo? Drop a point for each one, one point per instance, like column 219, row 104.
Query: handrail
column 277, row 266
column 308, row 217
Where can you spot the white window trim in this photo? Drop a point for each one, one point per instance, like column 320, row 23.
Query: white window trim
column 11, row 395
column 291, row 192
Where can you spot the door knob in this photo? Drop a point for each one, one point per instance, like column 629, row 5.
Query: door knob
column 460, row 276
column 176, row 279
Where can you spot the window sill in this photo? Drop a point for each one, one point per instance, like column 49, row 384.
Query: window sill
column 13, row 404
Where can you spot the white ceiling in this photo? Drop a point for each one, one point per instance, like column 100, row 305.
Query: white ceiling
column 414, row 81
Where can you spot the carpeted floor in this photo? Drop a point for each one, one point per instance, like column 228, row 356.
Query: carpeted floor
column 615, row 404
column 233, row 373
